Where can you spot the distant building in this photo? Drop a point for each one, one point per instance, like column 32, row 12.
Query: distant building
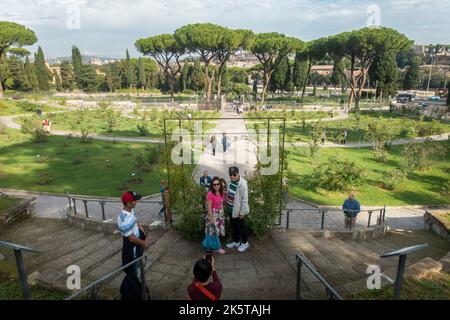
column 420, row 49
column 325, row 70
column 243, row 60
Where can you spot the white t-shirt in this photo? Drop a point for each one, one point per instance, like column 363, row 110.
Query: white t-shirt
column 127, row 223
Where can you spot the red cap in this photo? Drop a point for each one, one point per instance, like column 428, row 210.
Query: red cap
column 129, row 196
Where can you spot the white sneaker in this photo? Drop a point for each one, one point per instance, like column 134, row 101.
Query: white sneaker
column 232, row 245
column 243, row 247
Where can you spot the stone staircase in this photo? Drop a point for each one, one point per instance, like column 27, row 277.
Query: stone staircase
column 343, row 263
column 266, row 271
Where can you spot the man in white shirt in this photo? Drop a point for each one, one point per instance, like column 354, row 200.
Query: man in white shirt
column 134, row 238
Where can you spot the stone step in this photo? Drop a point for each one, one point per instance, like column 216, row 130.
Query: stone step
column 340, row 264
column 159, row 247
column 73, row 257
column 28, row 230
column 64, row 248
column 115, row 261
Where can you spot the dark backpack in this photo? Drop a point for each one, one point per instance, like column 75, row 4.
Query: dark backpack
column 131, row 289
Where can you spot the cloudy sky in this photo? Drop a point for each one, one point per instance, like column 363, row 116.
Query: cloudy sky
column 108, row 27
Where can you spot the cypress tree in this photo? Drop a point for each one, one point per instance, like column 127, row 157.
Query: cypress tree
column 77, row 63
column 30, row 74
column 142, row 79
column 412, row 75
column 67, row 76
column 42, row 72
column 129, row 78
column 58, row 85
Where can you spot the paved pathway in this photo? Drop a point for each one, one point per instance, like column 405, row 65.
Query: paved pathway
column 242, row 153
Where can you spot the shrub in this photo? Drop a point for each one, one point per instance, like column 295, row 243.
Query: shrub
column 28, row 125
column 380, row 136
column 264, row 202
column 39, row 135
column 338, row 175
column 86, row 133
column 44, row 178
column 112, row 119
column 421, row 156
column 27, row 106
column 143, row 130
column 392, row 178
column 430, row 128
column 2, row 127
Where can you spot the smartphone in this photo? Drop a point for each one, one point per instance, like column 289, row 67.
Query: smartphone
column 208, row 255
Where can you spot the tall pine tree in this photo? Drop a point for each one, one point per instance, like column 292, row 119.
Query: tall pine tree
column 142, row 79
column 130, row 78
column 58, row 85
column 30, row 73
column 67, row 76
column 77, row 63
column 299, row 71
column 412, row 75
column 42, row 72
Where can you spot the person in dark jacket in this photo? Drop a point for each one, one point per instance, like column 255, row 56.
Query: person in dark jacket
column 351, row 208
column 203, row 287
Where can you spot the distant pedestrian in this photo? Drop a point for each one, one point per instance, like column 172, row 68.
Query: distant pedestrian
column 323, row 137
column 213, row 142
column 162, row 190
column 344, row 136
column 237, row 209
column 351, row 208
column 332, row 113
column 225, row 143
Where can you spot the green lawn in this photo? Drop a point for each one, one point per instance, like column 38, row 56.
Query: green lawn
column 398, row 125
column 10, row 289
column 126, row 127
column 422, row 188
column 67, row 165
column 10, row 108
column 7, row 202
column 290, row 115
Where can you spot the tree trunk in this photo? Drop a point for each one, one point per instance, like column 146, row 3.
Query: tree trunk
column 219, row 85
column 1, row 90
column 306, row 80
column 265, row 86
column 208, row 82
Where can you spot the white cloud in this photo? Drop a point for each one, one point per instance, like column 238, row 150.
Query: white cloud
column 109, row 26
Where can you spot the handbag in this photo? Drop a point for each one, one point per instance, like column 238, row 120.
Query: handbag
column 211, row 240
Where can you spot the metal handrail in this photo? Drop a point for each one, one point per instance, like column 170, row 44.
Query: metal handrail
column 328, row 288
column 17, row 248
column 323, row 211
column 94, row 285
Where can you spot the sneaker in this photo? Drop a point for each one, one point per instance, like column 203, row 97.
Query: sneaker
column 243, row 247
column 233, row 245
column 220, row 251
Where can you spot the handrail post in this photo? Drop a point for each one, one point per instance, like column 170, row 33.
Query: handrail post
column 74, row 206
column 287, row 218
column 370, row 216
column 85, row 208
column 351, row 220
column 322, row 223
column 70, row 202
column 384, row 213
column 299, row 277
column 399, row 277
column 143, row 283
column 22, row 275
column 102, row 203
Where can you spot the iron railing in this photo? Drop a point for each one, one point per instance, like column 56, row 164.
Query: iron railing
column 302, row 261
column 101, row 202
column 93, row 288
column 20, row 265
column 402, row 253
column 323, row 212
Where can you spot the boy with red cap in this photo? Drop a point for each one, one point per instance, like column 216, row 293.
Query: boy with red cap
column 134, row 238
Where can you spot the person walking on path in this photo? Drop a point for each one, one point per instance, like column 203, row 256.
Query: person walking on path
column 162, row 190
column 323, row 137
column 215, row 222
column 213, row 144
column 237, row 209
column 202, row 288
column 224, row 143
column 351, row 208
column 135, row 240
column 344, row 136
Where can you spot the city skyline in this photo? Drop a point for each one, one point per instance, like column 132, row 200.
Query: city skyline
column 107, row 28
